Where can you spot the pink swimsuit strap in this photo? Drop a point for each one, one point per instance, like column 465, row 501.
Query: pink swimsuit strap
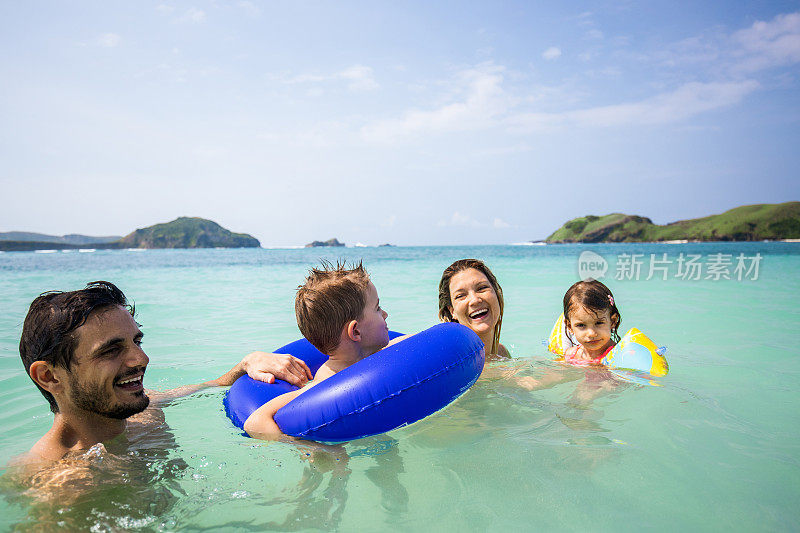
column 569, row 357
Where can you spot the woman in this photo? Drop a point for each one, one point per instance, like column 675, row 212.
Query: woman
column 470, row 295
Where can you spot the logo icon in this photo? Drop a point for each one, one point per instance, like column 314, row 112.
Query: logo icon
column 591, row 265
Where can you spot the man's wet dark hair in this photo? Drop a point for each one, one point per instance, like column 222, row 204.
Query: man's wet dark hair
column 48, row 333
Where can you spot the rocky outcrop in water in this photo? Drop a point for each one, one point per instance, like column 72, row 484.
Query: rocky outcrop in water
column 187, row 232
column 329, row 242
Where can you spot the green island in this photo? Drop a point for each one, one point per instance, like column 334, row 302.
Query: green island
column 330, row 242
column 187, row 232
column 183, row 232
column 746, row 223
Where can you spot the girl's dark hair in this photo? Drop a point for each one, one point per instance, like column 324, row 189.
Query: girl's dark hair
column 596, row 297
column 444, row 294
column 48, row 333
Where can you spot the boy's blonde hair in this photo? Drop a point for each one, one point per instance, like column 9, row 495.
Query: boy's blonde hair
column 331, row 296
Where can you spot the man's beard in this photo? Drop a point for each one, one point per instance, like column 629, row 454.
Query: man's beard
column 94, row 399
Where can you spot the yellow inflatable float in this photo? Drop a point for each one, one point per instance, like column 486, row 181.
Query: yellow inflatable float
column 634, row 351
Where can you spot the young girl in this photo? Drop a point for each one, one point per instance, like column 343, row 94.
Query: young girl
column 591, row 319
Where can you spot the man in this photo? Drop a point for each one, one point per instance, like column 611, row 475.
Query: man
column 83, row 351
column 339, row 312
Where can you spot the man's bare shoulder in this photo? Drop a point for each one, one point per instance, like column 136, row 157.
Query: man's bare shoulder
column 51, row 478
column 46, row 450
column 58, row 443
column 153, row 415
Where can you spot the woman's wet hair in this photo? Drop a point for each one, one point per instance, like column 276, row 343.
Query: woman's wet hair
column 446, row 303
column 48, row 333
column 331, row 296
column 596, row 297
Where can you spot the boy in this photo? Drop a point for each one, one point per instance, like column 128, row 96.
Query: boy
column 339, row 312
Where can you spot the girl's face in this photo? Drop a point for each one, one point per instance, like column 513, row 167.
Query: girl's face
column 474, row 301
column 591, row 329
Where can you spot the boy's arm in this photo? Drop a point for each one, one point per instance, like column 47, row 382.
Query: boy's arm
column 261, row 424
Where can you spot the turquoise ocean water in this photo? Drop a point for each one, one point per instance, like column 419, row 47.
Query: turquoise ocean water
column 715, row 446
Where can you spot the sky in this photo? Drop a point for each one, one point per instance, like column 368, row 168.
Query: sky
column 411, row 123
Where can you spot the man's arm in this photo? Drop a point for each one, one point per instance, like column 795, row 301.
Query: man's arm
column 263, row 366
column 260, row 366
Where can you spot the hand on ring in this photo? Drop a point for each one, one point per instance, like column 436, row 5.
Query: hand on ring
column 266, row 367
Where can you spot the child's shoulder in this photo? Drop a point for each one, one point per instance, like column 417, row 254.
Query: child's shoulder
column 322, row 374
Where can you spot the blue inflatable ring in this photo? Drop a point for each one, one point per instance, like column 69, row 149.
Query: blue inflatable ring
column 389, row 389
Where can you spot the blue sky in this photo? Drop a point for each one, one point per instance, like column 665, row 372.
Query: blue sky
column 401, row 122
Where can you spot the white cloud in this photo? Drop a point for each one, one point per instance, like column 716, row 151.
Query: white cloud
column 483, row 100
column 320, row 135
column 460, row 219
column 305, row 78
column 499, row 223
column 585, row 19
column 358, row 77
column 762, row 46
column 109, row 40
column 686, row 101
column 484, row 104
column 249, row 7
column 194, row 16
column 552, row 53
column 504, row 150
column 594, row 34
column 769, row 44
column 489, row 98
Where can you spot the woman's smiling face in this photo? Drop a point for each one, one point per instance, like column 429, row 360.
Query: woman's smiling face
column 474, row 301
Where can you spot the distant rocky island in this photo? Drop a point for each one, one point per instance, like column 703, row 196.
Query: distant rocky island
column 20, row 241
column 73, row 238
column 183, row 232
column 745, row 223
column 187, row 232
column 329, row 242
